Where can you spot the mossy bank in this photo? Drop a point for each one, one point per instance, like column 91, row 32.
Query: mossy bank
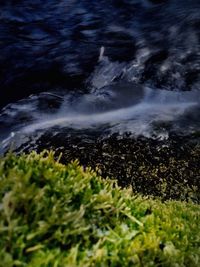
column 167, row 168
column 63, row 215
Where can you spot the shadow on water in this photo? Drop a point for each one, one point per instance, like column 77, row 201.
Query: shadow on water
column 49, row 45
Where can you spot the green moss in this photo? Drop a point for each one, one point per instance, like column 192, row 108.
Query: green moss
column 57, row 215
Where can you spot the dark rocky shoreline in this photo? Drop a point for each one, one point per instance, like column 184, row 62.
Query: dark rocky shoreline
column 168, row 169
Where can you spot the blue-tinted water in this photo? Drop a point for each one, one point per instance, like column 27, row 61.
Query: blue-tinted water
column 55, row 52
column 50, row 44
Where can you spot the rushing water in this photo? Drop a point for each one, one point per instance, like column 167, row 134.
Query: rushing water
column 112, row 66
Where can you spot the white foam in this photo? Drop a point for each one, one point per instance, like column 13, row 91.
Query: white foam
column 155, row 106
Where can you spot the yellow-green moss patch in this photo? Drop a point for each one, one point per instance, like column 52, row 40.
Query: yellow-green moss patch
column 57, row 215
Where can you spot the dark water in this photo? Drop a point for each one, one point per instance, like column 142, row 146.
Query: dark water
column 80, row 46
column 50, row 45
column 114, row 83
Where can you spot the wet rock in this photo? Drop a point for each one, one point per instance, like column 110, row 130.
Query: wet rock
column 164, row 168
column 114, row 96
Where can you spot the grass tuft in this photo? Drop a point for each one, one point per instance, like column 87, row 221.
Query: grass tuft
column 63, row 215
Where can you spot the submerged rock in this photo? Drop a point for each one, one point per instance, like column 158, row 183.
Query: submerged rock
column 112, row 97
